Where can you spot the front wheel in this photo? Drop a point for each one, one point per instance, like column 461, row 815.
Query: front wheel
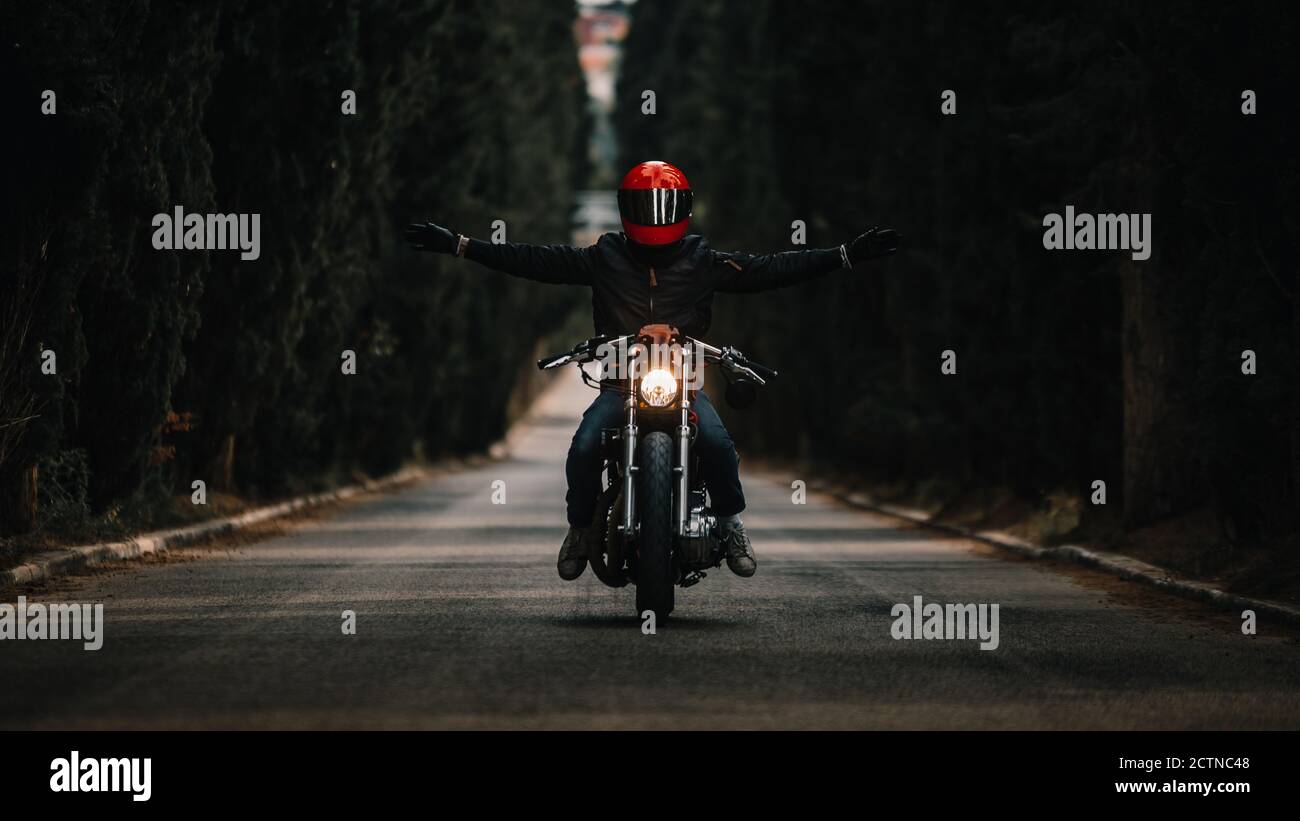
column 654, row 581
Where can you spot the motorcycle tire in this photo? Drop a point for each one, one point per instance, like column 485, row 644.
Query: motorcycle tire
column 654, row 583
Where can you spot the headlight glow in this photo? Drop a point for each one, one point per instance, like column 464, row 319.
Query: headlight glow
column 658, row 388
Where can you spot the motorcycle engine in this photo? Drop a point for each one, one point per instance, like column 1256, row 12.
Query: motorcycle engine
column 701, row 545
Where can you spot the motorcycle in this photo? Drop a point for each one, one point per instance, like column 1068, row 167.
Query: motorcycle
column 658, row 532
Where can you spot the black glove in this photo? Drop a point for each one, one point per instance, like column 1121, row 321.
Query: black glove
column 426, row 236
column 872, row 243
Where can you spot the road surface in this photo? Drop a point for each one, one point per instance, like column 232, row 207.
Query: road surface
column 463, row 623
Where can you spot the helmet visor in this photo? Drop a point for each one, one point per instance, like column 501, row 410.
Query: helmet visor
column 654, row 206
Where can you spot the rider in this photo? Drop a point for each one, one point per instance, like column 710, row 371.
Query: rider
column 652, row 273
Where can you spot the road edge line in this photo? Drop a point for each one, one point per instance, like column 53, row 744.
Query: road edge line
column 1115, row 564
column 63, row 561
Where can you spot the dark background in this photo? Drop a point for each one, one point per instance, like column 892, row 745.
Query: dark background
column 198, row 364
column 1072, row 366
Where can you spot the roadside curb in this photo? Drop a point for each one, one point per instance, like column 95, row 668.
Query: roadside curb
column 60, row 562
column 63, row 561
column 1114, row 563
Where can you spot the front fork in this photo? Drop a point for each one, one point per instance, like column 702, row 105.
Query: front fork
column 682, row 494
column 629, row 470
column 682, row 500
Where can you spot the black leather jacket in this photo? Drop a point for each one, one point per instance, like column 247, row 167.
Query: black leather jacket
column 628, row 290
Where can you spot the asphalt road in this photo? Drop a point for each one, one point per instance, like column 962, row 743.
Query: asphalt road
column 463, row 623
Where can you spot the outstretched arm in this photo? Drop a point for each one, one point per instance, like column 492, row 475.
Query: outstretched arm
column 556, row 264
column 746, row 273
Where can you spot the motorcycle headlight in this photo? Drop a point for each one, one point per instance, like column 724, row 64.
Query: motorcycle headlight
column 659, row 388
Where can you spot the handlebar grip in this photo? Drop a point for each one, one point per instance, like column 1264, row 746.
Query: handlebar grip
column 552, row 361
column 761, row 370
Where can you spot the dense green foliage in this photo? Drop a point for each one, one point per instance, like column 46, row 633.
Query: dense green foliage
column 1071, row 366
column 196, row 364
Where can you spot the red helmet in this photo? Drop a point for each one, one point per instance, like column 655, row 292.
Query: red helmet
column 654, row 201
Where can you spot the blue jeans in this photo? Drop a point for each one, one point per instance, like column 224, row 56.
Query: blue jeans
column 719, row 463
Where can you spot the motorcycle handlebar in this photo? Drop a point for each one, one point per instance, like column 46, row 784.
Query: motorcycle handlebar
column 761, row 370
column 583, row 352
column 552, row 361
column 586, row 351
column 737, row 359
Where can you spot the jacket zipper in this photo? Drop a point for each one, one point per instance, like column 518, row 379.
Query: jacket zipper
column 653, row 283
